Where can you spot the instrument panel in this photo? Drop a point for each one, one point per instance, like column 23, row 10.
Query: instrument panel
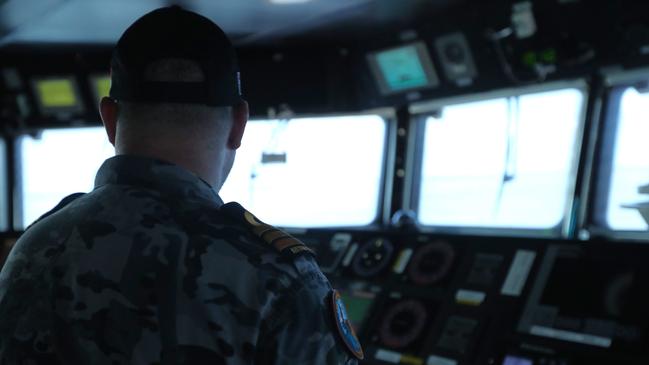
column 454, row 300
column 420, row 299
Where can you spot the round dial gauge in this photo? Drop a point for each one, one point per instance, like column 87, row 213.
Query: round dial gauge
column 373, row 257
column 431, row 263
column 403, row 324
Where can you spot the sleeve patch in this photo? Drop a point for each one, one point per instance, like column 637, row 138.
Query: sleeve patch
column 344, row 326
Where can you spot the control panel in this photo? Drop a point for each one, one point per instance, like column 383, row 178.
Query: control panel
column 454, row 300
column 421, row 299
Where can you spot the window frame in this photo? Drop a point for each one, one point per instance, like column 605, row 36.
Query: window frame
column 602, row 162
column 5, row 176
column 17, row 221
column 420, row 112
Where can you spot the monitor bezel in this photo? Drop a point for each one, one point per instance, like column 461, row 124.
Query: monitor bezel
column 46, row 110
column 424, row 59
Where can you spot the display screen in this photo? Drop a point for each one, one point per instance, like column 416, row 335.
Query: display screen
column 607, row 289
column 594, row 298
column 358, row 306
column 403, row 68
column 101, row 86
column 56, row 93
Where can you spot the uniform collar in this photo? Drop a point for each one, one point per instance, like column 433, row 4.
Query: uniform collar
column 165, row 177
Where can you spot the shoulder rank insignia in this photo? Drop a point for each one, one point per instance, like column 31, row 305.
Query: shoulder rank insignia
column 281, row 241
column 345, row 329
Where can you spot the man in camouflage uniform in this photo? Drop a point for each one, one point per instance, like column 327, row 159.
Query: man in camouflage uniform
column 151, row 267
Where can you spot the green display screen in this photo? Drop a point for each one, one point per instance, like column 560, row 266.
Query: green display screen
column 402, row 68
column 102, row 86
column 56, row 93
column 357, row 307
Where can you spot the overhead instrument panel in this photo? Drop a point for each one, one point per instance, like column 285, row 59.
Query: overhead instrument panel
column 456, row 58
column 403, row 68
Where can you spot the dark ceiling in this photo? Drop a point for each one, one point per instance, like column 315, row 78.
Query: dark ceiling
column 248, row 22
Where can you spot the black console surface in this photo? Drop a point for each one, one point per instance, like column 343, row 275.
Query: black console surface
column 454, row 300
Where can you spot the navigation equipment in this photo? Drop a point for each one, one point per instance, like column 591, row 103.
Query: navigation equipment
column 607, row 309
column 455, row 56
column 358, row 305
column 431, row 263
column 403, row 324
column 404, row 68
column 57, row 95
column 373, row 257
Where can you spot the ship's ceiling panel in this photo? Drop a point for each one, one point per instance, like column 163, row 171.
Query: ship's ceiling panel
column 246, row 21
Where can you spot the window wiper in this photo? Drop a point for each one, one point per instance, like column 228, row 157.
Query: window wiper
column 511, row 152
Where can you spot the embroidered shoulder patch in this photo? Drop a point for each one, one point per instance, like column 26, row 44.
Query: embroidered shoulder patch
column 344, row 326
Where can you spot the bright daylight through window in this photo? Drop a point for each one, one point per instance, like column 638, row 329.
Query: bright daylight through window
column 313, row 172
column 302, row 172
column 57, row 163
column 505, row 162
column 630, row 163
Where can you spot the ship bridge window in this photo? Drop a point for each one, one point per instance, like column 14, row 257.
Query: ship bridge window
column 56, row 163
column 311, row 172
column 298, row 173
column 503, row 162
column 627, row 167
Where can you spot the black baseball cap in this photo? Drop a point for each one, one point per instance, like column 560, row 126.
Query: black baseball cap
column 175, row 33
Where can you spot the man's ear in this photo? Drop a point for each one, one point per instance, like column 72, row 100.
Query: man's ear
column 239, row 120
column 108, row 112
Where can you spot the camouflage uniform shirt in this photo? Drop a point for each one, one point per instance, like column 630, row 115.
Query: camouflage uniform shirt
column 148, row 269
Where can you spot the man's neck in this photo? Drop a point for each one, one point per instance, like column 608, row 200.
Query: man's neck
column 206, row 167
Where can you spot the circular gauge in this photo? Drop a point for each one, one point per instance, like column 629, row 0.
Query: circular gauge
column 431, row 263
column 373, row 257
column 402, row 324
